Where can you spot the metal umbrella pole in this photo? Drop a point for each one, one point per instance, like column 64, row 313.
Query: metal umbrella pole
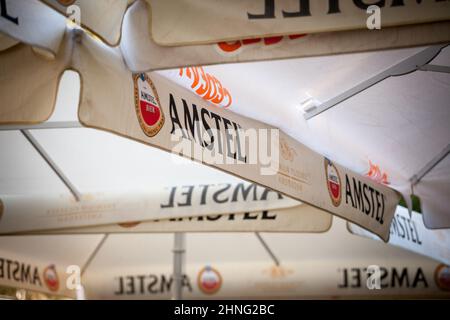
column 178, row 264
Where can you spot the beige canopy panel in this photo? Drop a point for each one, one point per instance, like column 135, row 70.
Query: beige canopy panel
column 409, row 232
column 32, row 22
column 7, row 42
column 142, row 53
column 29, row 82
column 44, row 27
column 198, row 21
column 26, row 213
column 300, row 218
column 115, row 99
column 40, row 263
column 383, row 114
column 151, row 109
column 219, row 265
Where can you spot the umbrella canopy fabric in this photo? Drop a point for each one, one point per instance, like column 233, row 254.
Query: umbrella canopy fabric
column 228, row 266
column 410, row 233
column 373, row 131
column 196, row 21
column 41, row 263
column 142, row 53
column 300, row 218
column 53, row 211
column 205, row 133
column 6, row 42
column 111, row 192
column 29, row 83
column 22, row 19
column 294, row 179
column 95, row 161
column 397, row 127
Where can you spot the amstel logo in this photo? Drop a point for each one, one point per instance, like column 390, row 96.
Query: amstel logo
column 209, row 280
column 333, row 182
column 51, row 279
column 287, row 152
column 376, row 174
column 235, row 46
column 148, row 107
column 207, row 86
column 442, row 277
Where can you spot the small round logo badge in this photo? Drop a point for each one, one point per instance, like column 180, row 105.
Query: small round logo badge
column 442, row 277
column 209, row 280
column 51, row 279
column 148, row 107
column 333, row 182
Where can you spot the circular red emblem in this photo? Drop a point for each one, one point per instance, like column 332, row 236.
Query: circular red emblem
column 333, row 182
column 148, row 107
column 51, row 278
column 209, row 280
column 442, row 277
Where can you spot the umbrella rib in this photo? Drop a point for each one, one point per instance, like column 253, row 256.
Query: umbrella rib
column 45, row 125
column 41, row 150
column 410, row 64
column 415, row 179
column 179, row 249
column 94, row 253
column 435, row 68
column 269, row 251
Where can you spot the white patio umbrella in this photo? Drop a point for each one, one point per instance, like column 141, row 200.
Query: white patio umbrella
column 40, row 171
column 408, row 231
column 94, row 167
column 101, row 156
column 106, row 190
column 399, row 124
column 222, row 265
column 330, row 271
